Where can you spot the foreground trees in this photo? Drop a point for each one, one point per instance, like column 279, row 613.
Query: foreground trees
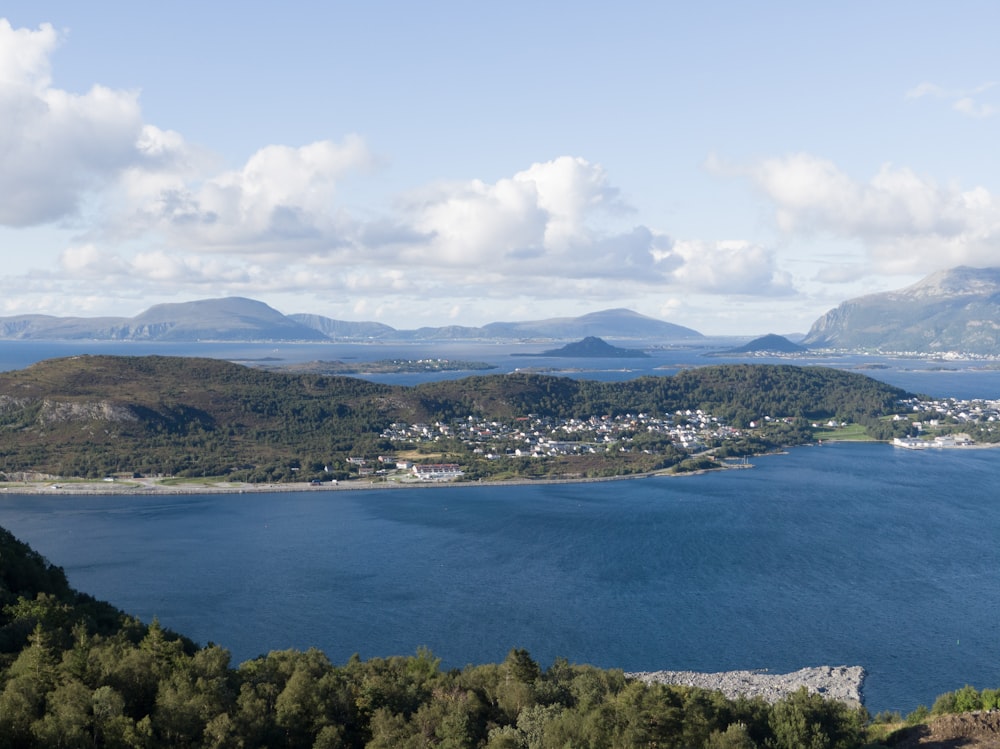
column 117, row 691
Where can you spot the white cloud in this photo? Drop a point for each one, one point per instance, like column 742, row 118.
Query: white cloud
column 841, row 273
column 281, row 195
column 24, row 56
column 151, row 212
column 729, row 267
column 273, row 224
column 88, row 261
column 551, row 219
column 964, row 101
column 56, row 145
column 970, row 107
column 906, row 222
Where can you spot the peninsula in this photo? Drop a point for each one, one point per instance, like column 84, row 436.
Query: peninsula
column 118, row 418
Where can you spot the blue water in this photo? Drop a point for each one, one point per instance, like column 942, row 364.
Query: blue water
column 841, row 554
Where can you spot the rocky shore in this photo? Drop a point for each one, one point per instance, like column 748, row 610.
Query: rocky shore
column 835, row 682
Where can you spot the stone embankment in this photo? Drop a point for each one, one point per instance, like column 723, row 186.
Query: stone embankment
column 835, row 682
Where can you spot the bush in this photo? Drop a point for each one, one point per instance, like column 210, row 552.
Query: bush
column 967, row 699
column 944, row 704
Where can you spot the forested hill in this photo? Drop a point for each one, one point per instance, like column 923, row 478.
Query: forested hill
column 97, row 415
column 740, row 393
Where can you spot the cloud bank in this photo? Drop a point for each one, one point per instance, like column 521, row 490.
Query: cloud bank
column 150, row 211
column 907, row 223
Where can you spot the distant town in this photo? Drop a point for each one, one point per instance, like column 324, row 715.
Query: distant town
column 931, row 422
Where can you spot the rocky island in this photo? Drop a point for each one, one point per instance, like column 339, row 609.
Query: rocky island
column 592, row 347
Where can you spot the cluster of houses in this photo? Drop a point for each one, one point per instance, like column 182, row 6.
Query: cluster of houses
column 935, row 413
column 420, row 471
column 540, row 436
column 943, row 440
column 956, row 410
column 535, row 436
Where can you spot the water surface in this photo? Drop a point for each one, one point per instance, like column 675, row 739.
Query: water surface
column 841, row 554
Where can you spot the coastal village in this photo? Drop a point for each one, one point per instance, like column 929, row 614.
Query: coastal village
column 934, row 414
column 535, row 436
column 932, row 421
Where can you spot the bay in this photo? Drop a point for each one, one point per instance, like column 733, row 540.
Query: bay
column 840, row 554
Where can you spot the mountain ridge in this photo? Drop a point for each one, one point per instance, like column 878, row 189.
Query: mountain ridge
column 244, row 320
column 951, row 310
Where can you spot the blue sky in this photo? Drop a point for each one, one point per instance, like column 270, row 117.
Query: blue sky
column 737, row 168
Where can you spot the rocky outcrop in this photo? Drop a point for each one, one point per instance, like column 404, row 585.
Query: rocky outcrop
column 59, row 411
column 841, row 683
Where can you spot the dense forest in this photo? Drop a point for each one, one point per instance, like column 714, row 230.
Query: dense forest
column 75, row 672
column 92, row 416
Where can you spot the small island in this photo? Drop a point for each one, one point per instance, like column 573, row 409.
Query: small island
column 592, row 347
column 768, row 345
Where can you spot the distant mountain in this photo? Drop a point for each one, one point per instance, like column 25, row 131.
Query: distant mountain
column 239, row 319
column 593, row 348
column 620, row 324
column 770, row 343
column 340, row 329
column 227, row 319
column 952, row 310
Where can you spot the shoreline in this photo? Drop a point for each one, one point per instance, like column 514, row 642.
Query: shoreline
column 156, row 487
column 842, row 683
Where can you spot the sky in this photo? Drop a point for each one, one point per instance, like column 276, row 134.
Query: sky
column 737, row 168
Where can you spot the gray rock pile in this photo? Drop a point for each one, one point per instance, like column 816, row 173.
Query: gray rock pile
column 835, row 682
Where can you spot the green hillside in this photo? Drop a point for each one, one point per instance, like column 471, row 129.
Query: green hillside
column 92, row 416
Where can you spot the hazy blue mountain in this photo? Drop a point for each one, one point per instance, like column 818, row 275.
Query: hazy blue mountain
column 240, row 319
column 227, row 319
column 952, row 310
column 621, row 324
column 611, row 323
column 47, row 327
column 341, row 329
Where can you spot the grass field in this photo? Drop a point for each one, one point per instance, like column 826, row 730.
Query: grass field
column 849, row 433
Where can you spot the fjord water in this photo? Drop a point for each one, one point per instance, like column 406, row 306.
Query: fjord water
column 840, row 554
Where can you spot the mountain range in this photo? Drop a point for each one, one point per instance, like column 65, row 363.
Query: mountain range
column 953, row 310
column 240, row 319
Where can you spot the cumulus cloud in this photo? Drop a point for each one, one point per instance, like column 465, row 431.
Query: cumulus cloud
column 907, row 223
column 282, row 194
column 150, row 212
column 549, row 219
column 56, row 145
column 551, row 229
column 729, row 267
